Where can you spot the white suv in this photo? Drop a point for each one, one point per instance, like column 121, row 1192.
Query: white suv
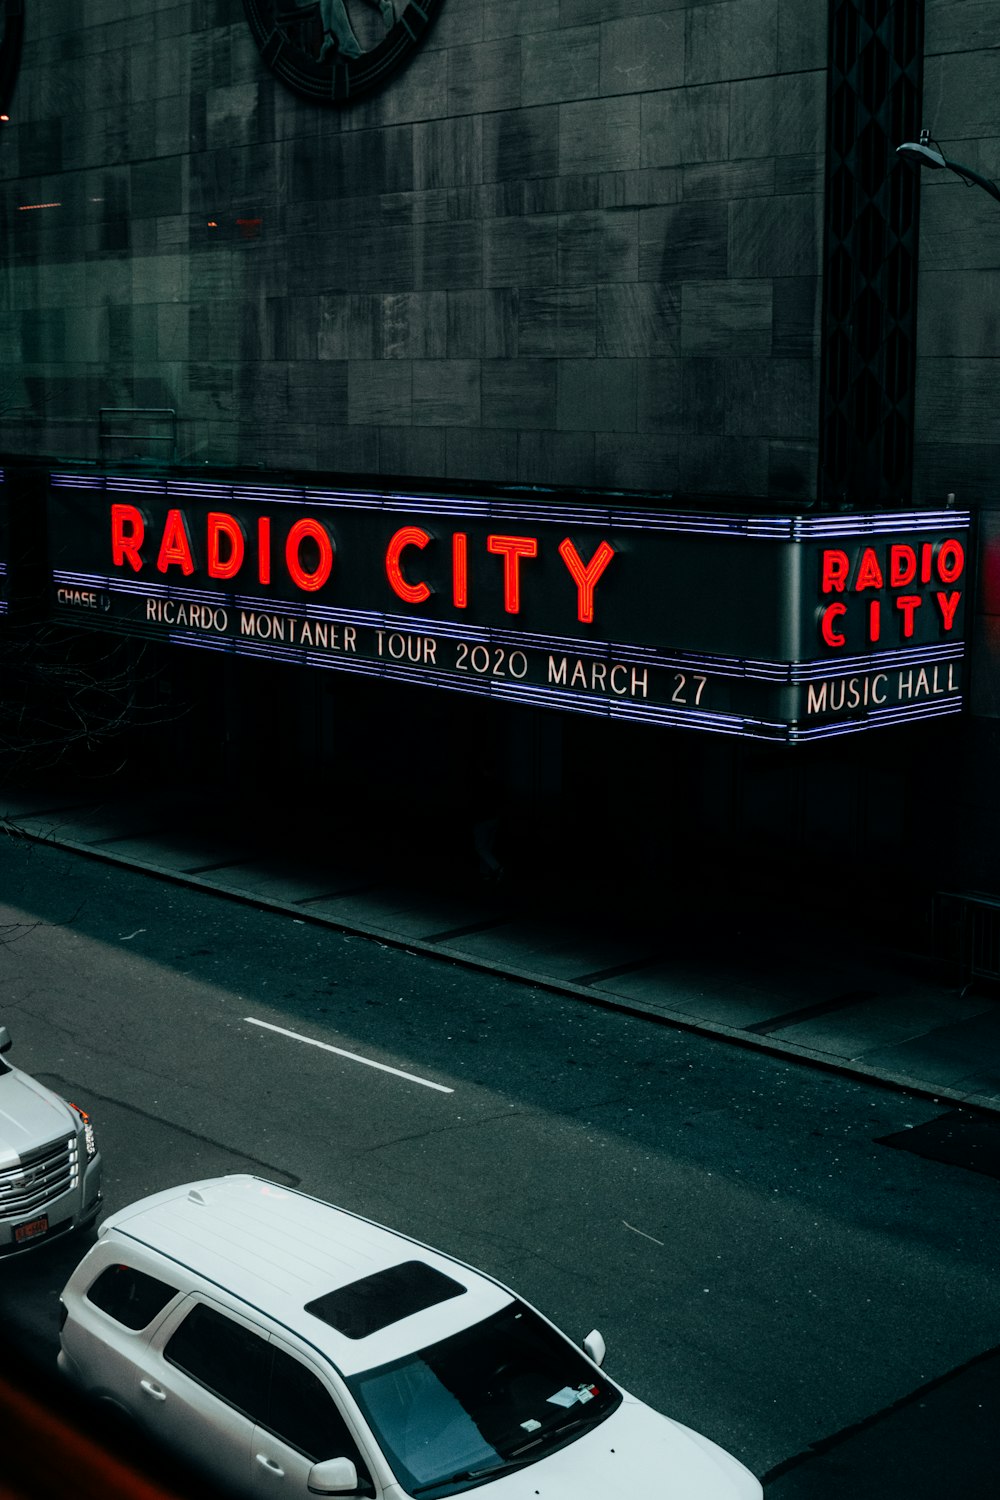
column 50, row 1168
column 293, row 1349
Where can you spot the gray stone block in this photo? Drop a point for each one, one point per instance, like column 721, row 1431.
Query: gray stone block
column 686, row 125
column 156, row 187
column 803, row 35
column 778, row 116
column 447, row 153
column 733, row 39
column 642, row 53
column 560, row 65
column 87, row 334
column 723, row 466
column 956, row 401
column 448, row 255
column 641, row 319
column 356, row 163
column 214, row 386
column 792, row 470
column 967, row 470
column 457, row 25
column 945, row 204
column 351, row 450
column 768, row 397
column 730, row 179
column 703, row 397
column 599, row 135
column 776, row 236
column 970, row 26
column 415, row 94
column 799, row 174
column 647, row 188
column 598, row 247
column 523, row 17
column 962, row 94
column 380, row 392
column 622, row 461
column 447, row 393
column 521, row 143
column 726, row 317
column 411, row 325
column 960, row 314
column 484, row 77
column 489, row 456
column 557, row 321
column 231, row 115
column 519, row 393
column 582, row 12
column 556, row 458
column 797, row 316
column 684, row 242
column 596, row 395
column 272, row 391
column 43, row 336
column 520, row 252
column 659, row 406
column 482, row 324
column 417, row 452
column 347, row 326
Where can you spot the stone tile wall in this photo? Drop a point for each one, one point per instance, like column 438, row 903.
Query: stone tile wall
column 958, row 330
column 575, row 242
column 958, row 342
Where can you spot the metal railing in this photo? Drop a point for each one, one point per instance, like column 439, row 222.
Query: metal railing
column 967, row 927
column 143, row 439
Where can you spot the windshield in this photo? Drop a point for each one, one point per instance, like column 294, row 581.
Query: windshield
column 493, row 1397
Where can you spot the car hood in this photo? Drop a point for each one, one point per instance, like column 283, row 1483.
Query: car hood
column 635, row 1452
column 30, row 1116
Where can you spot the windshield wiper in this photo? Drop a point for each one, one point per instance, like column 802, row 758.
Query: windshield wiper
column 500, row 1468
column 581, row 1419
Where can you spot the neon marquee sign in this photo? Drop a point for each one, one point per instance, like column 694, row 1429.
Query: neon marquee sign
column 788, row 628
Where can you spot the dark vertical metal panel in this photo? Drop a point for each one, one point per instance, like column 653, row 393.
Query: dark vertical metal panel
column 875, row 79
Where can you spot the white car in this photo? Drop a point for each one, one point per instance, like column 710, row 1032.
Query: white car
column 291, row 1348
column 50, row 1167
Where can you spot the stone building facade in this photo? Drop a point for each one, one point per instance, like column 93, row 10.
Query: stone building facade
column 572, row 243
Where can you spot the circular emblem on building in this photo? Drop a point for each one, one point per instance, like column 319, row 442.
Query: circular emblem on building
column 333, row 51
column 11, row 37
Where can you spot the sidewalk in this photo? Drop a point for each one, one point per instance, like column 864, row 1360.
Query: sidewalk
column 890, row 1018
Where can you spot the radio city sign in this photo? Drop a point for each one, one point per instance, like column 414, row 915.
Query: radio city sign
column 788, row 628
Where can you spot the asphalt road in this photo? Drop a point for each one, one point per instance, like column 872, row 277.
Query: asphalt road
column 762, row 1269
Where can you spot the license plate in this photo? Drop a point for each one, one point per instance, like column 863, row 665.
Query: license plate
column 31, row 1230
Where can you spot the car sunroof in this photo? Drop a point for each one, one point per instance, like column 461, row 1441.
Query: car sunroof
column 374, row 1302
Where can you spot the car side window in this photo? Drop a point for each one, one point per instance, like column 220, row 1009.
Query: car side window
column 129, row 1296
column 222, row 1355
column 303, row 1414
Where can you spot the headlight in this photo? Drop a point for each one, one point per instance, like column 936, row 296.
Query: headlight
column 88, row 1130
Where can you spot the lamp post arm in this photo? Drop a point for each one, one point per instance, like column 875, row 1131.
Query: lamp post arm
column 967, row 172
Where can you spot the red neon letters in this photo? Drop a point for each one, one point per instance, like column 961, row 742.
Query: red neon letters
column 512, row 549
column 877, row 578
column 309, row 553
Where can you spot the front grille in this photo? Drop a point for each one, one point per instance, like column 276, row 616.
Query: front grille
column 41, row 1176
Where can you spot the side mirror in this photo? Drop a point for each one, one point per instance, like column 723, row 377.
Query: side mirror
column 334, row 1476
column 594, row 1346
column 5, row 1042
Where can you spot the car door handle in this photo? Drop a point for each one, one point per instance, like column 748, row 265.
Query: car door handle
column 270, row 1465
column 153, row 1390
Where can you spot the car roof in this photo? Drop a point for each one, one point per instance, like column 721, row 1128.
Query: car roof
column 277, row 1250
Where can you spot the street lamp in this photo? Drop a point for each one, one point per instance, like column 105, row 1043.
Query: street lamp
column 922, row 154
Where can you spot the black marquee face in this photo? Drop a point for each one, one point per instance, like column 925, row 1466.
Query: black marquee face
column 334, row 51
column 11, row 37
